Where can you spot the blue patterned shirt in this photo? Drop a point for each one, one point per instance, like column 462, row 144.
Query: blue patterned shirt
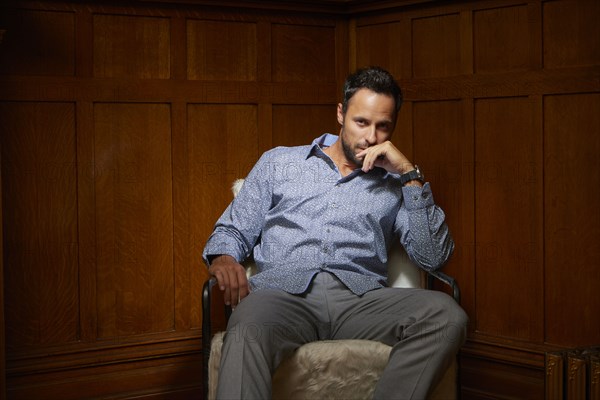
column 297, row 216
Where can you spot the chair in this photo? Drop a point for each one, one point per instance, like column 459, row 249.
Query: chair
column 331, row 369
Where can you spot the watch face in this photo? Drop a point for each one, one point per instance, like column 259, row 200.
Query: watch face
column 420, row 175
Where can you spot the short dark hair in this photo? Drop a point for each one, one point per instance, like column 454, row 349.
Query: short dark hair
column 376, row 79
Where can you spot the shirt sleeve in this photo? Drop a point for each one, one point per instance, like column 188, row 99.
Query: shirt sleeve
column 239, row 227
column 421, row 227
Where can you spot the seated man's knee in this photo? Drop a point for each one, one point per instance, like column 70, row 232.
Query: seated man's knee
column 454, row 318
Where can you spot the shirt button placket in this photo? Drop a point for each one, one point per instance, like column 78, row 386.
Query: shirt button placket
column 326, row 246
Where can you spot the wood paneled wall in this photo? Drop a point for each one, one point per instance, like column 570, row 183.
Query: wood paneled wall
column 122, row 129
column 503, row 117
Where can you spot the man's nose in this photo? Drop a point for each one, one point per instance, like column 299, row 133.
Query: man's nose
column 371, row 137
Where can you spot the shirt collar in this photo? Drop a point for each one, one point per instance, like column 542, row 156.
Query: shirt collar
column 325, row 140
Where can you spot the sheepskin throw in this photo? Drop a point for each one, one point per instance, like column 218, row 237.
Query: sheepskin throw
column 330, row 369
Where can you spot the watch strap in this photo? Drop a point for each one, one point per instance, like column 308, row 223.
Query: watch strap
column 415, row 174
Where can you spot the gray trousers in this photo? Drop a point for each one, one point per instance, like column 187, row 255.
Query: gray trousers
column 425, row 329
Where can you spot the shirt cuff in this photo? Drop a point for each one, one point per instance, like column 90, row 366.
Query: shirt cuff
column 417, row 198
column 221, row 245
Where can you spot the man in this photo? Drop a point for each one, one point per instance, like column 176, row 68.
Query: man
column 319, row 221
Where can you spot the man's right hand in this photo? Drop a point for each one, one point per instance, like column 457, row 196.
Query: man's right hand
column 231, row 278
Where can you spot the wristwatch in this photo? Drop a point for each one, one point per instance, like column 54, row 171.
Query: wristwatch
column 415, row 174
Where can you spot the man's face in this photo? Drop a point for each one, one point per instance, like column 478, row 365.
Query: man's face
column 369, row 120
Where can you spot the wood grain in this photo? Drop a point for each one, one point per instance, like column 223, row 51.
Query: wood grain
column 221, row 51
column 37, row 42
column 131, row 47
column 40, row 223
column 501, row 39
column 508, row 213
column 387, row 45
column 299, row 125
column 571, row 33
column 436, row 46
column 134, row 219
column 303, row 53
column 572, row 222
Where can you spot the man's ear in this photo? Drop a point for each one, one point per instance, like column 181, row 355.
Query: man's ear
column 340, row 114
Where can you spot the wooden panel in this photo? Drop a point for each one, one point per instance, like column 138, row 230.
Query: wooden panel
column 508, row 197
column 223, row 146
column 299, row 125
column 482, row 379
column 37, row 43
column 303, row 53
column 131, row 47
column 381, row 44
column 219, row 50
column 171, row 377
column 134, row 219
column 39, row 190
column 446, row 158
column 501, row 39
column 572, row 229
column 436, row 46
column 571, row 33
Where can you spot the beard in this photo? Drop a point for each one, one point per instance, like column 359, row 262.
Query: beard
column 349, row 151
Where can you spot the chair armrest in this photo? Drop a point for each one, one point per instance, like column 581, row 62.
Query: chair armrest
column 206, row 328
column 212, row 320
column 447, row 279
column 206, row 317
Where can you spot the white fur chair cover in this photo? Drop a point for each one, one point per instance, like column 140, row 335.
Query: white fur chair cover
column 335, row 369
column 330, row 369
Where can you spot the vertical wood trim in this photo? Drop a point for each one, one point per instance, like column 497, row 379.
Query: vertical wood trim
column 409, row 126
column 467, row 277
column 352, row 44
column 264, row 52
column 554, row 380
column 466, row 42
column 534, row 19
column 84, row 43
column 265, row 127
column 182, row 246
column 406, row 39
column 178, row 48
column 86, row 175
column 535, row 173
column 2, row 340
column 342, row 53
column 537, row 111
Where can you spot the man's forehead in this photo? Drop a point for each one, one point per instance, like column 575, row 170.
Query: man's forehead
column 374, row 103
